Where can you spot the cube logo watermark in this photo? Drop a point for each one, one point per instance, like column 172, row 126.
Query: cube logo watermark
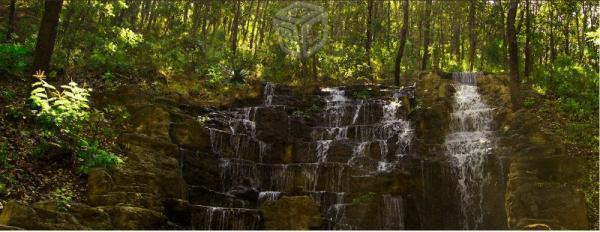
column 301, row 28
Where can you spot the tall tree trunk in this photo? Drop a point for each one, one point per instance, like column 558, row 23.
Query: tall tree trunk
column 47, row 35
column 11, row 20
column 513, row 55
column 472, row 35
column 369, row 36
column 403, row 33
column 528, row 57
column 234, row 29
column 426, row 35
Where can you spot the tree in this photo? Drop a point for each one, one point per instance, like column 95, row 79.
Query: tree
column 513, row 54
column 403, row 33
column 47, row 35
column 528, row 57
column 369, row 35
column 427, row 35
column 11, row 20
column 234, row 32
column 472, row 35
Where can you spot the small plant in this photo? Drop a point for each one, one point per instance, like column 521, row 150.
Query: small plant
column 306, row 113
column 107, row 77
column 91, row 155
column 215, row 76
column 8, row 96
column 361, row 95
column 63, row 197
column 529, row 102
column 64, row 110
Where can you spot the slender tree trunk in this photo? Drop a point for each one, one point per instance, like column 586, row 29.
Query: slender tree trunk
column 403, row 33
column 528, row 57
column 11, row 20
column 472, row 35
column 552, row 49
column 513, row 54
column 427, row 35
column 234, row 29
column 369, row 36
column 47, row 35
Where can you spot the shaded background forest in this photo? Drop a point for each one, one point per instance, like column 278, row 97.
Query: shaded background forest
column 203, row 48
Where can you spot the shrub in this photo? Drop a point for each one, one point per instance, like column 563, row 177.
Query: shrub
column 12, row 58
column 65, row 110
column 63, row 197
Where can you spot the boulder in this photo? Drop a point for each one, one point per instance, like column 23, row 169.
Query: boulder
column 151, row 121
column 190, row 134
column 86, row 215
column 291, row 213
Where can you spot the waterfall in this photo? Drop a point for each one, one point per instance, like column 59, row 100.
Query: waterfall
column 269, row 91
column 393, row 213
column 468, row 144
column 374, row 132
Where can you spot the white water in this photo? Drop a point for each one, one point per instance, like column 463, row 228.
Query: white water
column 468, row 144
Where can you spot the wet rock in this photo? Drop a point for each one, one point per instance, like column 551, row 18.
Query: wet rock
column 199, row 195
column 291, row 213
column 201, row 169
column 272, row 124
column 177, row 211
column 134, row 218
column 245, row 191
column 218, row 218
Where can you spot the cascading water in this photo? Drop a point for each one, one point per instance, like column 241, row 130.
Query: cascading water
column 374, row 131
column 469, row 144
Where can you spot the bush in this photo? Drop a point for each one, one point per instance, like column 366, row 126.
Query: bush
column 574, row 85
column 92, row 156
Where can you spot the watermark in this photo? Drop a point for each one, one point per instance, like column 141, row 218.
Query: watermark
column 301, row 28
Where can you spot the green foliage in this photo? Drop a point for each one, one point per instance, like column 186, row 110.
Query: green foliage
column 12, row 58
column 8, row 96
column 364, row 198
column 306, row 113
column 574, row 85
column 215, row 76
column 65, row 110
column 92, row 156
column 529, row 102
column 63, row 197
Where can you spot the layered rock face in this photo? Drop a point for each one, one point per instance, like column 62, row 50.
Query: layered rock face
column 326, row 158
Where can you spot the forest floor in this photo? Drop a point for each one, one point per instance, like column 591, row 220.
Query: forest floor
column 29, row 173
